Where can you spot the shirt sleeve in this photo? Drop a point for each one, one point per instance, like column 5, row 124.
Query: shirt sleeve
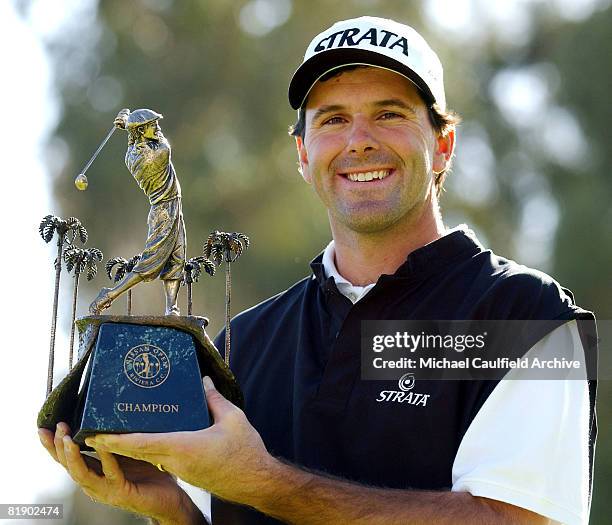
column 529, row 443
column 200, row 497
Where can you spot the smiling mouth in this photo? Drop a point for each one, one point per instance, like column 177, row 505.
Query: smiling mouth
column 367, row 176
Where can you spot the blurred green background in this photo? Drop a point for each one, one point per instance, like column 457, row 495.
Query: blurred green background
column 531, row 80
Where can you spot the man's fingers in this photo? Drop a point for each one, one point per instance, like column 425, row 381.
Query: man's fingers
column 76, row 466
column 217, row 404
column 46, row 438
column 61, row 430
column 110, row 467
column 93, row 464
column 148, row 447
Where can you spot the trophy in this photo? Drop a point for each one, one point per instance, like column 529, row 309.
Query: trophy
column 140, row 373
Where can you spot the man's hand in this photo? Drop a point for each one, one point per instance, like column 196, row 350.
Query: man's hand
column 228, row 459
column 121, row 118
column 122, row 482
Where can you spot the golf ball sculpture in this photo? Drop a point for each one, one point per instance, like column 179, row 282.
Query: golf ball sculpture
column 81, row 182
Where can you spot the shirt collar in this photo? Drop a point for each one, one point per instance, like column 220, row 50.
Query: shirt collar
column 329, row 265
column 456, row 242
column 345, row 287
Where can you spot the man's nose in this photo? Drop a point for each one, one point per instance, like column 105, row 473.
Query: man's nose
column 361, row 138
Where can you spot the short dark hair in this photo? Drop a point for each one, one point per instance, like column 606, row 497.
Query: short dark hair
column 442, row 121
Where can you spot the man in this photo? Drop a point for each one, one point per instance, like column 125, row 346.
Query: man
column 148, row 159
column 319, row 446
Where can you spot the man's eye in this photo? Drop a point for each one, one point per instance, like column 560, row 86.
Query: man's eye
column 389, row 115
column 334, row 120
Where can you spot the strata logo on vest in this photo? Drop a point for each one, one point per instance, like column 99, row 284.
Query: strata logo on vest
column 404, row 394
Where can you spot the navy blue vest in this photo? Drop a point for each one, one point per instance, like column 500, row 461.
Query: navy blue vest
column 297, row 358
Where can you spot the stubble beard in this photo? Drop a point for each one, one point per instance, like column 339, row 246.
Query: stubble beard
column 400, row 209
column 368, row 220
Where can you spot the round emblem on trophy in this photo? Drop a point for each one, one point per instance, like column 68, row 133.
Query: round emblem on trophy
column 146, row 366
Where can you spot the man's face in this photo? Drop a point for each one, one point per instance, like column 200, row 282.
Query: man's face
column 370, row 150
column 152, row 131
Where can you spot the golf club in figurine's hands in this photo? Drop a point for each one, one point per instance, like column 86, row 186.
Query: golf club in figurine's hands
column 142, row 373
column 81, row 182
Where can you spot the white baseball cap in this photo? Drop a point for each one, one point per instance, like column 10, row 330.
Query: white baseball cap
column 370, row 41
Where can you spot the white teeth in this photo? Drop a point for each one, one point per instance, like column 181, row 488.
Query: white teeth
column 367, row 176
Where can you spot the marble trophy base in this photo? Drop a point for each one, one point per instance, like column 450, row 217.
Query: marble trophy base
column 143, row 379
column 142, row 374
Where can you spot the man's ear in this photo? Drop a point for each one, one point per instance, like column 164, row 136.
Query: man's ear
column 303, row 159
column 443, row 153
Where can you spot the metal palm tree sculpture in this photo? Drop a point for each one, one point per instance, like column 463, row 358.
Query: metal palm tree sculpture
column 49, row 226
column 124, row 266
column 193, row 270
column 226, row 247
column 79, row 260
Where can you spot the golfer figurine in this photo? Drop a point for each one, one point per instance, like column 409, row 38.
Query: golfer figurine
column 148, row 159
